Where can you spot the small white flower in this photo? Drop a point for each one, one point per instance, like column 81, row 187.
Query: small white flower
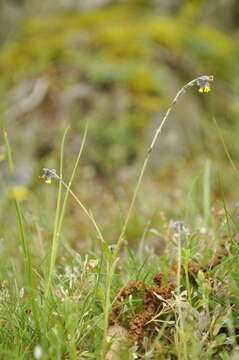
column 21, row 292
column 203, row 230
column 38, row 352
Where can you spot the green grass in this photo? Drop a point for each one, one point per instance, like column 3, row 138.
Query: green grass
column 107, row 304
column 202, row 323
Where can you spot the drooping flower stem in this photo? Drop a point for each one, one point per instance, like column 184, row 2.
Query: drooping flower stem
column 48, row 176
column 87, row 212
column 203, row 82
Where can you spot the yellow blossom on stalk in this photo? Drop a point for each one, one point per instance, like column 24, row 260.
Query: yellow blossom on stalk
column 48, row 175
column 204, row 83
column 206, row 89
column 18, row 192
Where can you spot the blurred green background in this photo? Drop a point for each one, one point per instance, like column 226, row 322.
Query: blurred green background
column 116, row 64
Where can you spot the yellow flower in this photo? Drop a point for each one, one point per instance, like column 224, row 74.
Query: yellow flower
column 48, row 175
column 18, row 192
column 205, row 89
column 204, row 83
column 2, row 156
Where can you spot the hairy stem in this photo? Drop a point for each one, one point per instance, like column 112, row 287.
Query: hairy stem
column 145, row 163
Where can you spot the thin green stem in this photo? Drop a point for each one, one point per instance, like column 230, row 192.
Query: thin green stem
column 23, row 239
column 181, row 341
column 188, row 287
column 55, row 240
column 61, row 210
column 71, row 179
column 27, row 257
column 236, row 173
column 9, row 151
column 87, row 212
column 110, row 268
column 207, row 194
column 26, row 253
column 109, row 272
column 226, row 150
column 144, row 166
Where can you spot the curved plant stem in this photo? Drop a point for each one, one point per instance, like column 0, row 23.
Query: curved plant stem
column 120, row 241
column 145, row 163
column 60, row 212
column 87, row 212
